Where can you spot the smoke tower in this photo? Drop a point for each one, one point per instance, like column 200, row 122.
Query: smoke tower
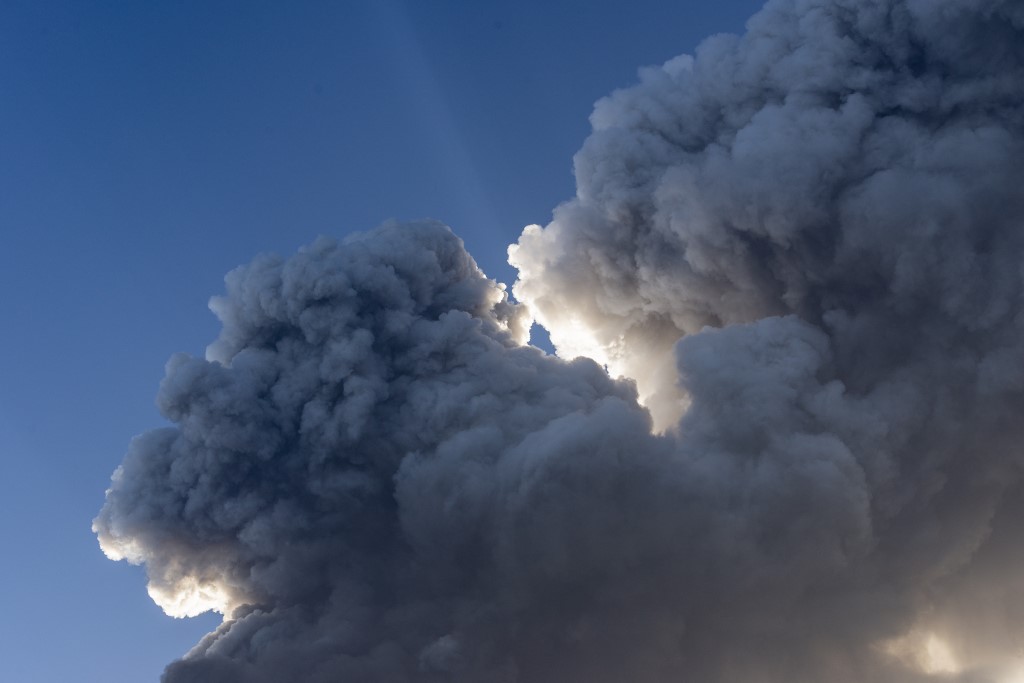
column 798, row 254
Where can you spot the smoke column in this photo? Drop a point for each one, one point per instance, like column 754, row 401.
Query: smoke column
column 800, row 256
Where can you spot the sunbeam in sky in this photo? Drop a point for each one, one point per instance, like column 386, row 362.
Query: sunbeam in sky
column 779, row 439
column 434, row 119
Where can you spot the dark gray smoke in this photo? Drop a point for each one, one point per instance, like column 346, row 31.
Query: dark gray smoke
column 805, row 246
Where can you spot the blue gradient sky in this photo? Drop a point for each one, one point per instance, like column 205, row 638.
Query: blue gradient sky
column 146, row 148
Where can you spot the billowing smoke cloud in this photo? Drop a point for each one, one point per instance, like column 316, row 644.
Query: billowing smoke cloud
column 804, row 246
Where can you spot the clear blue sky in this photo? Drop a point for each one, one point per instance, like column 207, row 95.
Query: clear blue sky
column 146, row 148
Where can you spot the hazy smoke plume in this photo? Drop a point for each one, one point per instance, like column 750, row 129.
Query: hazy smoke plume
column 805, row 246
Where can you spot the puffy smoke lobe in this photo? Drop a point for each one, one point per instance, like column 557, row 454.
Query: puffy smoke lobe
column 854, row 166
column 804, row 245
column 372, row 477
column 854, row 163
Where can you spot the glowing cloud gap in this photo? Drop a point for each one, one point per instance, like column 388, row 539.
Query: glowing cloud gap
column 802, row 250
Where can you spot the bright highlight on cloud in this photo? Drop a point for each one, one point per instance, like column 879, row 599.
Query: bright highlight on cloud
column 802, row 252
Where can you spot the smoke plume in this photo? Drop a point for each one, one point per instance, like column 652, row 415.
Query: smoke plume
column 797, row 259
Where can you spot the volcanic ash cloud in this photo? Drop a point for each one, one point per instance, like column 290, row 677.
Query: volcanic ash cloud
column 802, row 251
